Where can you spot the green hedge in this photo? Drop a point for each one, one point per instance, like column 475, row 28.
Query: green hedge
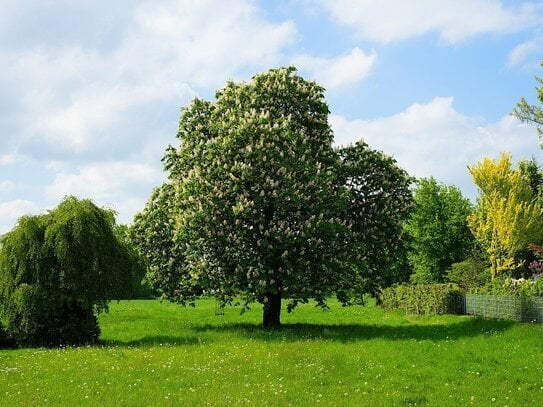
column 424, row 298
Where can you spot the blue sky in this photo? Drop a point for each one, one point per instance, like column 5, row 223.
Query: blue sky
column 90, row 91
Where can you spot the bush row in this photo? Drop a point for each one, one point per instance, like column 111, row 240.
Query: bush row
column 424, row 298
column 510, row 286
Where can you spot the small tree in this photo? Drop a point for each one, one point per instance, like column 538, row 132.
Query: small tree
column 439, row 230
column 257, row 203
column 57, row 269
column 509, row 217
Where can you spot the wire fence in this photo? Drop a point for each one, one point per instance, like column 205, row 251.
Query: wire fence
column 514, row 308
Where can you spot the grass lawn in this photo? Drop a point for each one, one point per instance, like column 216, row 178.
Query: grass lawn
column 156, row 353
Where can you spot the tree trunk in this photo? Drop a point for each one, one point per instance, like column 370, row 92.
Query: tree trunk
column 272, row 311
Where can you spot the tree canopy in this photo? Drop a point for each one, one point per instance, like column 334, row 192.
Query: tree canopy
column 379, row 202
column 257, row 202
column 439, row 231
column 153, row 235
column 58, row 268
column 509, row 215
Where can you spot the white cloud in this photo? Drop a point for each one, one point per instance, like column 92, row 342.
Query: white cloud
column 434, row 139
column 453, row 20
column 87, row 119
column 6, row 186
column 340, row 71
column 103, row 181
column 10, row 158
column 91, row 103
column 122, row 186
column 75, row 96
column 207, row 40
column 10, row 211
column 522, row 51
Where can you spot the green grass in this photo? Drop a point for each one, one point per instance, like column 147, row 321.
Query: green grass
column 161, row 354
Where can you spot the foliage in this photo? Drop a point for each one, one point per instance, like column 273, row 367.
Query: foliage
column 57, row 268
column 532, row 113
column 423, row 298
column 258, row 207
column 508, row 217
column 380, row 201
column 511, row 286
column 470, row 273
column 536, row 266
column 140, row 286
column 531, row 170
column 438, row 228
column 256, row 201
column 152, row 234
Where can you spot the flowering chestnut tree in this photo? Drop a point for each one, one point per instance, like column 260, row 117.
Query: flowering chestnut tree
column 259, row 206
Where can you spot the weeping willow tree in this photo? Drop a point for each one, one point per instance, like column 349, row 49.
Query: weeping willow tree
column 58, row 270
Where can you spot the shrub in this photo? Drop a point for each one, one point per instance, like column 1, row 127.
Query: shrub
column 470, row 273
column 423, row 298
column 511, row 286
column 57, row 270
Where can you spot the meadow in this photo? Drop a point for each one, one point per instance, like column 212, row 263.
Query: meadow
column 154, row 353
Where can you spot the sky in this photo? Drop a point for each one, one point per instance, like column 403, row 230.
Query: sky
column 91, row 91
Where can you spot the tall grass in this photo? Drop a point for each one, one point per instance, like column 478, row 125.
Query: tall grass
column 156, row 353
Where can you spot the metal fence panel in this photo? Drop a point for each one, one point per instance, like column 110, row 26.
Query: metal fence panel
column 514, row 308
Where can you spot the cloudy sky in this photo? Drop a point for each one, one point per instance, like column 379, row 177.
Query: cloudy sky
column 90, row 91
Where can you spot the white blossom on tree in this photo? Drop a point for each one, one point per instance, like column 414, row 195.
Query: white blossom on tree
column 258, row 203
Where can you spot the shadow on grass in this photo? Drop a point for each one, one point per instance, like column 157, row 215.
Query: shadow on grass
column 359, row 332
column 154, row 340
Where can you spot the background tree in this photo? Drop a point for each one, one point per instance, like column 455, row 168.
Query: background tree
column 509, row 216
column 530, row 169
column 439, row 231
column 140, row 286
column 256, row 200
column 532, row 113
column 380, row 201
column 152, row 234
column 57, row 269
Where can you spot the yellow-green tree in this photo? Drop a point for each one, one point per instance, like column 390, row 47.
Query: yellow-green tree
column 509, row 215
